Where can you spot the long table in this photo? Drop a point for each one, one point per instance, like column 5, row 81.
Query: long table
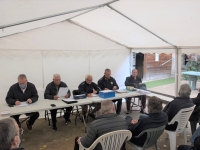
column 45, row 104
column 192, row 78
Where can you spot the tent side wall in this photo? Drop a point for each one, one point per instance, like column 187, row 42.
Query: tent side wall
column 62, row 48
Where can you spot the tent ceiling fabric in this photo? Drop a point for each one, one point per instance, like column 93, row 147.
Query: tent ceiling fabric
column 37, row 24
column 118, row 28
column 13, row 11
column 175, row 21
column 60, row 36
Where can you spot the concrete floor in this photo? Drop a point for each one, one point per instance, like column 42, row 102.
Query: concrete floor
column 44, row 138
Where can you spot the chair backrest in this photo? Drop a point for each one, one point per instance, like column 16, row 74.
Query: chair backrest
column 152, row 136
column 112, row 140
column 75, row 92
column 182, row 118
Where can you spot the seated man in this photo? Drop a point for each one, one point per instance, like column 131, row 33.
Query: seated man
column 89, row 88
column 183, row 101
column 134, row 80
column 9, row 135
column 108, row 121
column 195, row 116
column 196, row 145
column 109, row 83
column 156, row 118
column 23, row 91
column 51, row 92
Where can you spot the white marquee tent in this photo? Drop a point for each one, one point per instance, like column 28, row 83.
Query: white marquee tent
column 73, row 38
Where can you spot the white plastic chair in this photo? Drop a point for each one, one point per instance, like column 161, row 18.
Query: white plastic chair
column 182, row 118
column 110, row 141
column 152, row 136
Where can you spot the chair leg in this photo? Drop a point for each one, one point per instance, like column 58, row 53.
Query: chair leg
column 156, row 146
column 48, row 118
column 172, row 140
column 185, row 136
column 45, row 115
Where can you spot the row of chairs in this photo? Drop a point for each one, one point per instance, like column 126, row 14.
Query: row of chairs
column 114, row 140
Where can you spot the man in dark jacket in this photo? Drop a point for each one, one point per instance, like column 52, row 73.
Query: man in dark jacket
column 109, row 83
column 134, row 81
column 23, row 91
column 156, row 118
column 195, row 117
column 51, row 92
column 89, row 88
column 108, row 121
column 177, row 104
column 9, row 135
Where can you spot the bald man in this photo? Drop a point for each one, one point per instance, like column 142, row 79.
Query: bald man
column 108, row 121
column 134, row 81
column 51, row 92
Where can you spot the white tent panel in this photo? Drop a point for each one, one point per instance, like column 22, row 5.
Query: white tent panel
column 191, row 51
column 71, row 65
column 13, row 11
column 158, row 51
column 118, row 61
column 59, row 36
column 37, row 24
column 14, row 63
column 113, row 25
column 176, row 21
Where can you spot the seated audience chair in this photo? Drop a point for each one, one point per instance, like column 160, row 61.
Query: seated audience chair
column 182, row 118
column 152, row 136
column 110, row 141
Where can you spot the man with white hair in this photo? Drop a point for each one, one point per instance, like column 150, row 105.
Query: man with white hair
column 9, row 135
column 89, row 88
column 23, row 91
column 51, row 93
column 108, row 121
column 183, row 101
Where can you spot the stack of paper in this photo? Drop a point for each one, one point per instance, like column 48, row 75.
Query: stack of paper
column 143, row 91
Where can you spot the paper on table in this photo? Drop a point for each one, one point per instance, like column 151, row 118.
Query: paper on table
column 143, row 91
column 121, row 91
column 68, row 100
column 22, row 104
column 94, row 95
column 4, row 112
column 62, row 91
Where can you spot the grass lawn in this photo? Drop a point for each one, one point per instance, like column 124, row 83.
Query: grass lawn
column 155, row 83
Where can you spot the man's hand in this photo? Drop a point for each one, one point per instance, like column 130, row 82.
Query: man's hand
column 106, row 89
column 134, row 121
column 89, row 95
column 115, row 87
column 66, row 96
column 94, row 92
column 29, row 101
column 17, row 102
column 79, row 140
column 55, row 97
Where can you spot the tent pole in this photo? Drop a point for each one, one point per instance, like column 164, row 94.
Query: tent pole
column 55, row 15
column 140, row 25
column 178, row 70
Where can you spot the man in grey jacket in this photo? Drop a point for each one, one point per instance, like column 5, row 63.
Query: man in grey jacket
column 108, row 121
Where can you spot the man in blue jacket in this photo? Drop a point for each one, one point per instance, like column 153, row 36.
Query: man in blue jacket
column 23, row 91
